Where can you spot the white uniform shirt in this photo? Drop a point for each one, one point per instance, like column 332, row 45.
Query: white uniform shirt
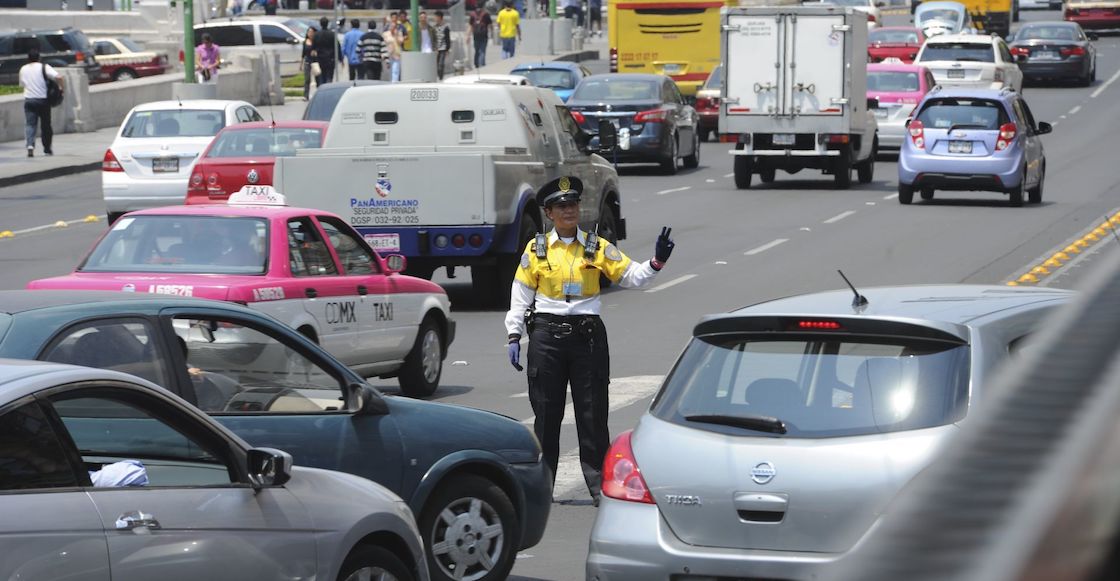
column 31, row 79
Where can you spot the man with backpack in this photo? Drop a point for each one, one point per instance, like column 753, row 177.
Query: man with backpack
column 33, row 78
column 480, row 34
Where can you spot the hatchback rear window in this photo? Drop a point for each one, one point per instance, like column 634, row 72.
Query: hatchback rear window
column 963, row 113
column 174, row 123
column 817, row 387
column 275, row 142
column 971, row 52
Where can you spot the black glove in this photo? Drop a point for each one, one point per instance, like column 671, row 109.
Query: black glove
column 665, row 245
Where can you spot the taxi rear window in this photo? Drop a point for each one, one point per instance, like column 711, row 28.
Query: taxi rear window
column 182, row 244
column 274, row 142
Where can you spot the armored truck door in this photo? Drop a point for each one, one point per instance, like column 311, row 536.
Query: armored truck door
column 753, row 55
column 816, row 66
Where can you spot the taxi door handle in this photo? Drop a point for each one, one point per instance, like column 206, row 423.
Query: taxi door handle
column 311, row 293
column 362, row 290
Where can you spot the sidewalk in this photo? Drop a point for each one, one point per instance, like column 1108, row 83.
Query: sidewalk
column 82, row 152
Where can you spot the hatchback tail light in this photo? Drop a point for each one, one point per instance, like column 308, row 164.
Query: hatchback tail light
column 110, row 163
column 579, row 117
column 622, row 479
column 1072, row 51
column 917, row 134
column 614, row 60
column 653, row 115
column 1007, row 133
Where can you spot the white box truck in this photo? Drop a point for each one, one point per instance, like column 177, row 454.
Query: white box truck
column 795, row 92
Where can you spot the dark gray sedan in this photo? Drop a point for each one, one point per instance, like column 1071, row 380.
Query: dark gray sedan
column 1055, row 50
column 654, row 122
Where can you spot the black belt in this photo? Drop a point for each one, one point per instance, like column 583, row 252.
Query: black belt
column 550, row 318
column 563, row 325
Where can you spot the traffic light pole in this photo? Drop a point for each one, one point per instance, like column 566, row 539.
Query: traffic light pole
column 414, row 16
column 188, row 41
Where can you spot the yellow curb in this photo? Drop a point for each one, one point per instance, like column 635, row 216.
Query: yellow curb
column 7, row 234
column 1028, row 278
column 1052, row 263
column 90, row 218
column 1100, row 232
column 1090, row 236
column 1012, row 283
column 1040, row 270
column 1061, row 256
column 1072, row 249
column 1115, row 220
column 1081, row 243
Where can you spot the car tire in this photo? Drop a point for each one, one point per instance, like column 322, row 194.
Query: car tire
column 767, row 176
column 423, row 366
column 1034, row 195
column 370, row 562
column 905, row 194
column 693, row 161
column 706, row 135
column 842, row 170
column 1016, row 196
column 742, row 167
column 865, row 169
column 669, row 165
column 454, row 522
column 124, row 75
column 927, row 194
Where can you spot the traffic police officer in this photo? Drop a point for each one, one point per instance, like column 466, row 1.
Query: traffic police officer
column 556, row 296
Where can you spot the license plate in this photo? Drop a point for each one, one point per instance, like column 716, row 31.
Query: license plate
column 165, row 165
column 1046, row 55
column 956, row 74
column 881, row 113
column 960, row 147
column 784, row 138
column 384, row 242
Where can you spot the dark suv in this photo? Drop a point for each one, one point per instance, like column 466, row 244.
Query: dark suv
column 65, row 47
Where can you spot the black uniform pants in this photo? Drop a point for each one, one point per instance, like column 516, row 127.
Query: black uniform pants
column 573, row 350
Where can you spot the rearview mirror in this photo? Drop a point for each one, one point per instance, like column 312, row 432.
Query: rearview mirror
column 1043, row 128
column 269, row 467
column 608, row 135
column 395, row 263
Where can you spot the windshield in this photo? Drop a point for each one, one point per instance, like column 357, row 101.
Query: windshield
column 1047, row 33
column 548, row 78
column 266, row 142
column 323, row 103
column 958, row 51
column 944, row 14
column 893, row 81
column 886, row 36
column 298, row 26
column 715, row 78
column 182, row 244
column 174, row 123
column 974, row 113
column 130, row 44
column 617, row 90
column 818, row 387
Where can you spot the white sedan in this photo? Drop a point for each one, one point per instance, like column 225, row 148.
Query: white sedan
column 150, row 160
column 973, row 60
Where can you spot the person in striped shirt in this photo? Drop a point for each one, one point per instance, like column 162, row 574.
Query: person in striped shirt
column 372, row 48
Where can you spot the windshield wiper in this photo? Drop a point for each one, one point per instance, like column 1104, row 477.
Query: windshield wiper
column 756, row 423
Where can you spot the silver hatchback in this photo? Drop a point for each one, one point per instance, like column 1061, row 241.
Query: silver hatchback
column 786, row 428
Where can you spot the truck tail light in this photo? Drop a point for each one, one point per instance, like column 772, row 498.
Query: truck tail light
column 110, row 163
column 475, row 240
column 579, row 117
column 651, row 116
column 614, row 60
column 1072, row 51
column 917, row 134
column 622, row 479
column 1020, row 50
column 1007, row 133
column 839, row 138
column 458, row 240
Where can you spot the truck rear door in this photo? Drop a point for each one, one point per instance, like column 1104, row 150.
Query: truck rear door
column 753, row 73
column 816, row 66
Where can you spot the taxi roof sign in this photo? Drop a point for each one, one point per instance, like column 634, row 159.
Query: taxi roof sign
column 257, row 196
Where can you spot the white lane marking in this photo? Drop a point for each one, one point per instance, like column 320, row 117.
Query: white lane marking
column 730, row 175
column 709, row 181
column 671, row 190
column 891, row 197
column 624, row 392
column 59, row 224
column 869, row 203
column 839, row 217
column 765, row 247
column 1101, row 88
column 1075, row 110
column 521, row 394
column 1054, row 124
column 673, row 282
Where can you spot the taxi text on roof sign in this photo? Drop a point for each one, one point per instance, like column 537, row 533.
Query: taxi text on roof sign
column 257, row 196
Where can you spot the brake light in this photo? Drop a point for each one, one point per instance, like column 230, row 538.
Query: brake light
column 1072, row 51
column 195, row 184
column 80, row 56
column 622, row 479
column 110, row 163
column 1007, row 133
column 1020, row 50
column 578, row 117
column 213, row 183
column 614, row 60
column 818, row 325
column 651, row 116
column 839, row 138
column 917, row 134
column 870, row 17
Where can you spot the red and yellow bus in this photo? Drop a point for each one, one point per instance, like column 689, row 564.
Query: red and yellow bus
column 676, row 38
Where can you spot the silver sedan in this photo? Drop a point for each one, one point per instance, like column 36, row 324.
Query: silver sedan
column 106, row 476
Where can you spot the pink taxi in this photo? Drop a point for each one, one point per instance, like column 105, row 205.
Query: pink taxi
column 899, row 87
column 307, row 268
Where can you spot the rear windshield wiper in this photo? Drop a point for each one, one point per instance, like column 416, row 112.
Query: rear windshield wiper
column 954, row 127
column 757, row 423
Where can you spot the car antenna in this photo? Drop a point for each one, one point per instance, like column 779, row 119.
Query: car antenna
column 859, row 300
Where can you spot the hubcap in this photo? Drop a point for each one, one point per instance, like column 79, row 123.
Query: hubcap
column 371, row 574
column 467, row 539
column 430, row 352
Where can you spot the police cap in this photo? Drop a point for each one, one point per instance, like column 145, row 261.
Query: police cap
column 561, row 189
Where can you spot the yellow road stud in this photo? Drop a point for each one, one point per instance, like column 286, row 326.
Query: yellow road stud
column 1028, row 278
column 1040, row 270
column 61, row 224
column 1072, row 249
column 90, row 218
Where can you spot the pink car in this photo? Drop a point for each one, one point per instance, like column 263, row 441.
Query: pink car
column 899, row 88
column 307, row 268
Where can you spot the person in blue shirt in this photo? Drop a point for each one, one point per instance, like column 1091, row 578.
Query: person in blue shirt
column 350, row 48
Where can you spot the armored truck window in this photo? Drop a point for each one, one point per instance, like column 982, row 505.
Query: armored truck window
column 462, row 116
column 385, row 117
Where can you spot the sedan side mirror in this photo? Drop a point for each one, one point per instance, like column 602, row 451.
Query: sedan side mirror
column 269, row 467
column 1043, row 128
column 1092, row 35
column 366, row 400
column 395, row 263
column 608, row 135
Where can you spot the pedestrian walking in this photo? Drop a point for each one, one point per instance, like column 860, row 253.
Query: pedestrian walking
column 310, row 61
column 555, row 299
column 371, row 45
column 270, row 7
column 207, row 59
column 350, row 49
column 595, row 16
column 509, row 29
column 326, row 51
column 393, row 53
column 443, row 42
column 480, row 34
column 33, row 78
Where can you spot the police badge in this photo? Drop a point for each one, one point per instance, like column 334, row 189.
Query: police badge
column 612, row 253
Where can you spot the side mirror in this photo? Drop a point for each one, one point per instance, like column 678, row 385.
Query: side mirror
column 1092, row 35
column 269, row 467
column 1043, row 128
column 872, row 102
column 395, row 263
column 366, row 400
column 608, row 135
